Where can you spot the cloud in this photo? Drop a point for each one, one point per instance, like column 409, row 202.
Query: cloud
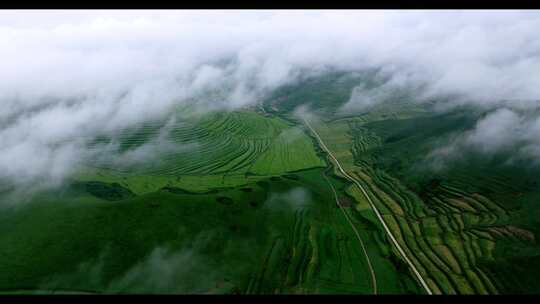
column 162, row 271
column 294, row 199
column 462, row 55
column 503, row 132
column 194, row 267
column 365, row 96
column 68, row 77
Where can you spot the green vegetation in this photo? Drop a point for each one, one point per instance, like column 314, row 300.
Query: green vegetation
column 238, row 202
column 279, row 235
column 324, row 93
column 110, row 192
column 479, row 207
column 216, row 150
column 461, row 225
column 239, row 207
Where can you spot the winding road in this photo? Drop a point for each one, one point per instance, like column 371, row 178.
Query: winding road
column 374, row 208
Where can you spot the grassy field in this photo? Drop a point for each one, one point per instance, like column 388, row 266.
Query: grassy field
column 457, row 225
column 324, row 94
column 216, row 150
column 244, row 210
column 238, row 202
column 479, row 207
column 275, row 235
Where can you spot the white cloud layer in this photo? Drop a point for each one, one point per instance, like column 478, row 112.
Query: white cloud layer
column 68, row 75
column 507, row 131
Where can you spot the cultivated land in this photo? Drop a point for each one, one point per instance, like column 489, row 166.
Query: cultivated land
column 457, row 225
column 244, row 210
column 259, row 200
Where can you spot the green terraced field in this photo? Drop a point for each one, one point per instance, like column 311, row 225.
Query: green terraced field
column 274, row 235
column 458, row 225
column 215, row 151
column 232, row 143
column 242, row 202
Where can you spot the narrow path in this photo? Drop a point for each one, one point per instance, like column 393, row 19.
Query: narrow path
column 373, row 277
column 374, row 208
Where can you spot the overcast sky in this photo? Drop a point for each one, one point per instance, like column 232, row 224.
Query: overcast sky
column 68, row 75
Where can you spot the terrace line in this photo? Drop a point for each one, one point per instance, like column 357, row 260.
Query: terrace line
column 394, row 241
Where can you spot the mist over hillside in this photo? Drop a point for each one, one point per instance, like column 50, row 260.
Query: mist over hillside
column 270, row 152
column 70, row 76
